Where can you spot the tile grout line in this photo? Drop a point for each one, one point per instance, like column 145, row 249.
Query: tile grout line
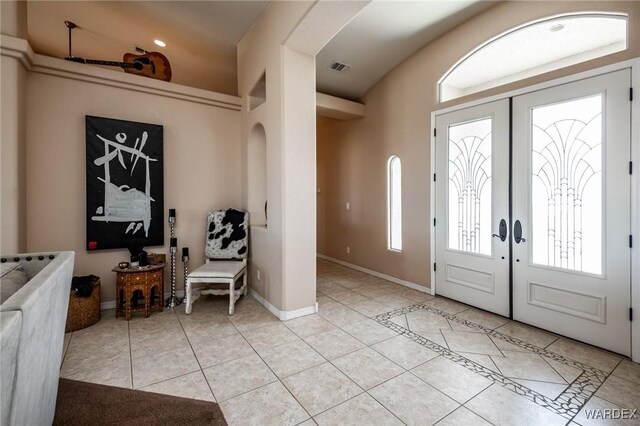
column 130, row 352
column 66, row 355
column 496, row 365
column 364, row 392
column 151, row 353
column 542, row 381
column 376, row 385
column 557, row 372
column 465, row 408
column 368, row 345
column 468, row 408
column 197, row 360
column 161, row 352
column 273, row 372
column 382, row 405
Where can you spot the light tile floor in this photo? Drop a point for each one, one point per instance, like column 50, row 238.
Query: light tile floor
column 376, row 353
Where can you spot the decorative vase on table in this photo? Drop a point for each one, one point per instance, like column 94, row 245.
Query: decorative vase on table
column 135, row 246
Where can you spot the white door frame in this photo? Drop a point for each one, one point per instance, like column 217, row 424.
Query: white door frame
column 634, row 65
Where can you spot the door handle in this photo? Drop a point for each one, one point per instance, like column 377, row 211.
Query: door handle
column 517, row 232
column 502, row 229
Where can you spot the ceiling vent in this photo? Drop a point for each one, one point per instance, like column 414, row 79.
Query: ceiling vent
column 339, row 67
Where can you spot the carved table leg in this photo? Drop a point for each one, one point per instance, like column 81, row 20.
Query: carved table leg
column 128, row 294
column 160, row 299
column 147, row 301
column 118, row 307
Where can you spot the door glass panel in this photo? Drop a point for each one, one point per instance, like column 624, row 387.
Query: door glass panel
column 469, row 192
column 566, row 185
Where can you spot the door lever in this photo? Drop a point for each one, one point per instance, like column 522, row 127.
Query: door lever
column 517, row 232
column 502, row 229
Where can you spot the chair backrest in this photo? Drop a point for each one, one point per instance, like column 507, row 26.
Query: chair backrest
column 227, row 234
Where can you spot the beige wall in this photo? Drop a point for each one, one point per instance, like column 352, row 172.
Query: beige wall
column 282, row 45
column 299, row 178
column 108, row 29
column 259, row 52
column 13, row 18
column 13, row 75
column 12, row 156
column 201, row 166
column 352, row 155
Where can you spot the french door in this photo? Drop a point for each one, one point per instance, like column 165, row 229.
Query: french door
column 570, row 211
column 472, row 205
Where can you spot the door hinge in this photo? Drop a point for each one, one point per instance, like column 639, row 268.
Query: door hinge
column 434, row 132
column 630, row 167
column 630, row 241
column 434, row 266
column 434, row 221
column 434, row 177
column 631, row 93
column 630, row 314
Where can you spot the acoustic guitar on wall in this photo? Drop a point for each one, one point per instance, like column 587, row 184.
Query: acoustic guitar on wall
column 148, row 64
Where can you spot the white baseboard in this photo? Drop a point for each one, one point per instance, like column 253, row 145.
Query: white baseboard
column 283, row 315
column 112, row 303
column 287, row 315
column 409, row 284
column 108, row 305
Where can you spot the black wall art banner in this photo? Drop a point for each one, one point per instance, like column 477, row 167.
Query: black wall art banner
column 124, row 183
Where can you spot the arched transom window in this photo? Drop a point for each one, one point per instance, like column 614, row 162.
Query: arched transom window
column 535, row 48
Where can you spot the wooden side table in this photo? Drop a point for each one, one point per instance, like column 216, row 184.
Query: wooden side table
column 144, row 278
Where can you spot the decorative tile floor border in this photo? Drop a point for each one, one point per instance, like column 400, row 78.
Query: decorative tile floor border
column 567, row 404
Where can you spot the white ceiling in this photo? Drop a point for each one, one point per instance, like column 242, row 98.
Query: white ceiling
column 538, row 48
column 201, row 36
column 383, row 35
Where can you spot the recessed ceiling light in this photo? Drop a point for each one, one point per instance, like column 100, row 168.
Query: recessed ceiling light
column 160, row 43
column 557, row 27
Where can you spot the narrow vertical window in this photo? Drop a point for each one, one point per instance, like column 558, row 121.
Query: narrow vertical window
column 394, row 200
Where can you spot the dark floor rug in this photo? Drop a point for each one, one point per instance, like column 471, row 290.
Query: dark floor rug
column 81, row 403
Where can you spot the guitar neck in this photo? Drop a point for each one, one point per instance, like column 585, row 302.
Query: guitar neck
column 151, row 64
column 110, row 63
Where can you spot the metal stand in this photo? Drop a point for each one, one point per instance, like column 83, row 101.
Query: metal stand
column 185, row 261
column 173, row 301
column 71, row 26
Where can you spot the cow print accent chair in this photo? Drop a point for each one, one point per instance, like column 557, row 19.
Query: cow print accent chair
column 226, row 250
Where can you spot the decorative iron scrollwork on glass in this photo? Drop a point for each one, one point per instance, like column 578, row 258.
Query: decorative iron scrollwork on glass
column 566, row 184
column 469, row 190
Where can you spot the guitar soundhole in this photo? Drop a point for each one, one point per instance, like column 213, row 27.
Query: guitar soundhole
column 137, row 64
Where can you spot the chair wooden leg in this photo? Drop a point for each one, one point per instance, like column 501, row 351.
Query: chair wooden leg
column 244, row 283
column 187, row 297
column 231, row 297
